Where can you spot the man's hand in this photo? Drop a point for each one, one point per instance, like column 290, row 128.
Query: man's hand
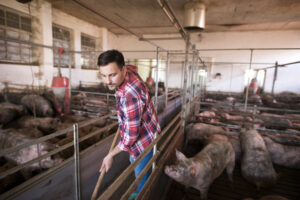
column 106, row 163
column 108, row 160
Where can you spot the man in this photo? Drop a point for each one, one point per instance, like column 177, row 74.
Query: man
column 253, row 87
column 137, row 118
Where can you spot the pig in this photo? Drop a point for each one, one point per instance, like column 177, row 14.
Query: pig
column 295, row 118
column 201, row 170
column 235, row 142
column 31, row 132
column 45, row 124
column 284, row 155
column 206, row 116
column 79, row 99
column 37, row 105
column 95, row 101
column 256, row 164
column 273, row 197
column 9, row 112
column 202, row 131
column 274, row 121
column 11, row 137
column 269, row 197
column 296, row 125
column 286, row 140
column 244, row 121
column 255, row 99
column 230, row 99
column 270, row 101
column 235, row 117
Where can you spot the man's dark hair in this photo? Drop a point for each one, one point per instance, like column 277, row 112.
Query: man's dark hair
column 111, row 56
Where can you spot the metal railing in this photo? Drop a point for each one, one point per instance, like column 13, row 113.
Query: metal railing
column 116, row 184
column 74, row 143
column 286, row 135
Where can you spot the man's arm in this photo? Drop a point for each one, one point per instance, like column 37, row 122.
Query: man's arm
column 108, row 160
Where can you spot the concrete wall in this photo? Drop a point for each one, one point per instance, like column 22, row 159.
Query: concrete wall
column 233, row 73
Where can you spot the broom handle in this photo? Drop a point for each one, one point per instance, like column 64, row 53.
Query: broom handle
column 95, row 193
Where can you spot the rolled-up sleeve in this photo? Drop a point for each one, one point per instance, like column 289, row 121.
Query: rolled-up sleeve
column 132, row 110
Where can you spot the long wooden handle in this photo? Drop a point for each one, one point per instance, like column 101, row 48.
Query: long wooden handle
column 95, row 193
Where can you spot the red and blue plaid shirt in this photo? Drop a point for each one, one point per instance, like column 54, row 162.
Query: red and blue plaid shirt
column 138, row 120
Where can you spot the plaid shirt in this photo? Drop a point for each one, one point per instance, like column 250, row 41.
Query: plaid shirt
column 138, row 120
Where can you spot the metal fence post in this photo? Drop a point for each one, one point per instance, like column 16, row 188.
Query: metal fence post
column 76, row 162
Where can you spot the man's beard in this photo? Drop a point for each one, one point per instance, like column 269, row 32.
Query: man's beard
column 113, row 85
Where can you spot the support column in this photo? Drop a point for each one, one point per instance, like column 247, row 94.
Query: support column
column 185, row 81
column 248, row 81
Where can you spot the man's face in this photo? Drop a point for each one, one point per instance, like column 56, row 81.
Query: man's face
column 112, row 76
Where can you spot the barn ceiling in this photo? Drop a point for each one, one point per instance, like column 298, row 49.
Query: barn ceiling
column 146, row 16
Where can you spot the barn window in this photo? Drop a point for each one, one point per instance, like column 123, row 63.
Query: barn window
column 88, row 56
column 61, row 39
column 15, row 26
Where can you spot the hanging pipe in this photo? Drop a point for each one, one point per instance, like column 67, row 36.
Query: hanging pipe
column 185, row 82
column 248, row 49
column 274, row 77
column 166, row 7
column 156, row 99
column 192, row 76
column 167, row 84
column 248, row 82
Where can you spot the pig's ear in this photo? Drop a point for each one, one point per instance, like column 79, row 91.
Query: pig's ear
column 179, row 155
column 192, row 171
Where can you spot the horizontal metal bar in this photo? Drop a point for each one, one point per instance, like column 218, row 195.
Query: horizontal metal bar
column 282, row 65
column 231, row 126
column 249, row 49
column 228, row 63
column 241, row 63
column 98, row 93
column 242, row 113
column 55, row 134
column 169, row 38
column 249, row 108
column 28, row 43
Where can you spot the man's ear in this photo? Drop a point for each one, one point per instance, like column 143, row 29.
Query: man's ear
column 179, row 155
column 124, row 70
column 192, row 171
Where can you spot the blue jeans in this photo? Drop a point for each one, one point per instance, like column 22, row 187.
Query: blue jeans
column 139, row 168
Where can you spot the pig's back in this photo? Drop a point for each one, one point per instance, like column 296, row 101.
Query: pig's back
column 215, row 157
column 256, row 163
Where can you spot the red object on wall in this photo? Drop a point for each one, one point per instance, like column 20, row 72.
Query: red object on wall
column 60, row 50
column 61, row 91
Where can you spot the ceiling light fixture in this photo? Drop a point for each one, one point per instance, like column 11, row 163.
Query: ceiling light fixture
column 194, row 15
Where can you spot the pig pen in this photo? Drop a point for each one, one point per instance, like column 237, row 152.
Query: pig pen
column 280, row 125
column 58, row 182
column 28, row 116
